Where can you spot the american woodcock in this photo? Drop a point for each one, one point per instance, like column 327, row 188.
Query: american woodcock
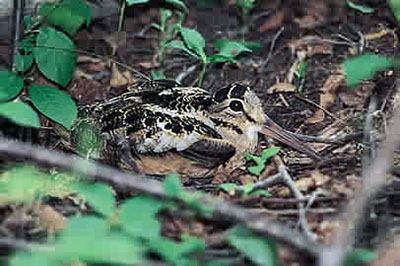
column 160, row 127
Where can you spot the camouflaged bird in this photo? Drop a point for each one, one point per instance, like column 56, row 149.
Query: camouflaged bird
column 160, row 127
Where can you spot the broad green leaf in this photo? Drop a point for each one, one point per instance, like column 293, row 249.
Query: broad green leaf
column 172, row 186
column 10, row 85
column 178, row 4
column 28, row 22
column 20, row 113
column 33, row 259
column 364, row 66
column 24, row 55
column 229, row 49
column 69, row 15
column 268, row 153
column 360, row 257
column 99, row 196
column 136, row 2
column 194, row 41
column 175, row 252
column 260, row 192
column 260, row 161
column 138, row 217
column 157, row 74
column 230, row 188
column 90, row 239
column 247, row 187
column 55, row 55
column 260, row 250
column 395, row 5
column 53, row 103
column 361, row 8
column 179, row 45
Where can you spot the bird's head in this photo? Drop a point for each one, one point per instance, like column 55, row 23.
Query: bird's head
column 238, row 114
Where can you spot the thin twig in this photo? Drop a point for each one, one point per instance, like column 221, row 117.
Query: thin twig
column 271, row 48
column 185, row 73
column 222, row 210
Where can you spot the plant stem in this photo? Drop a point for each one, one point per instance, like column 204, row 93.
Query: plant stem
column 121, row 15
column 201, row 75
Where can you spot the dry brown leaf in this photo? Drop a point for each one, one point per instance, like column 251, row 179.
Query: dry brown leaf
column 311, row 45
column 327, row 230
column 273, row 22
column 50, row 219
column 281, row 87
column 388, row 254
column 119, row 79
column 115, row 40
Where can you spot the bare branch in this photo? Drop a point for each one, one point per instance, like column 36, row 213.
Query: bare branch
column 222, row 210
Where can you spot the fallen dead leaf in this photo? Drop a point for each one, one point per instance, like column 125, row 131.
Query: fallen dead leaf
column 50, row 219
column 273, row 22
column 281, row 87
column 118, row 78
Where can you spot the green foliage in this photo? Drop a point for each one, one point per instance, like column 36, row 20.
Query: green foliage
column 364, row 66
column 69, row 15
column 246, row 190
column 260, row 161
column 54, row 55
column 10, row 85
column 24, row 55
column 25, row 184
column 245, row 5
column 361, row 8
column 301, row 75
column 137, row 217
column 395, row 5
column 53, row 103
column 136, row 2
column 20, row 113
column 260, row 250
column 156, row 74
column 99, row 196
column 194, row 45
column 360, row 257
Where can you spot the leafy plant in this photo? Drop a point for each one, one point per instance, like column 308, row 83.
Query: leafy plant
column 361, row 8
column 260, row 160
column 47, row 44
column 364, row 67
column 301, row 75
column 194, row 44
column 246, row 190
column 260, row 250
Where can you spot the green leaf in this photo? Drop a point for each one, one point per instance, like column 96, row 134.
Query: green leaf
column 157, row 74
column 54, row 104
column 33, row 259
column 361, row 8
column 395, row 5
column 229, row 188
column 228, row 50
column 260, row 161
column 69, row 15
column 260, row 192
column 165, row 14
column 194, row 41
column 178, row 4
column 20, row 113
column 136, row 2
column 179, row 45
column 172, row 186
column 301, row 73
column 360, row 257
column 138, row 217
column 89, row 239
column 246, row 188
column 55, row 55
column 10, row 85
column 28, row 22
column 174, row 252
column 260, row 250
column 364, row 66
column 24, row 55
column 99, row 196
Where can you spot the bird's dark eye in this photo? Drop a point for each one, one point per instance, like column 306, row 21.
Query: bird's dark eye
column 236, row 106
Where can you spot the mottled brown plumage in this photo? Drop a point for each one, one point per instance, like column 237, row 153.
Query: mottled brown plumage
column 159, row 127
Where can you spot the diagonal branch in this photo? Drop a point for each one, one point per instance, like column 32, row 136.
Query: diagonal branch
column 221, row 210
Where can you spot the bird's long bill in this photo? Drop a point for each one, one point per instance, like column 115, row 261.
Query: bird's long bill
column 274, row 131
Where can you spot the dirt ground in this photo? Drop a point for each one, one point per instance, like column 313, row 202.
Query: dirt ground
column 321, row 34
